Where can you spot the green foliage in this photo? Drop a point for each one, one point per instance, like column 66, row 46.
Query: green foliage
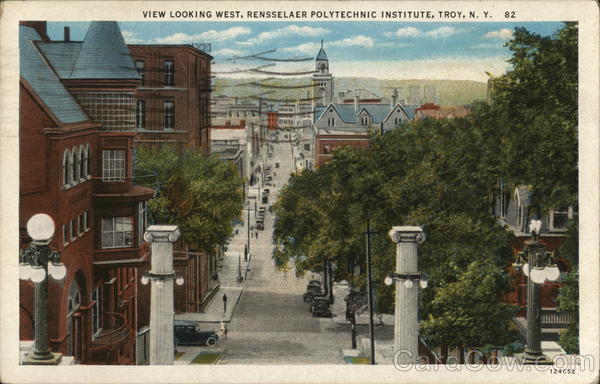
column 442, row 175
column 467, row 312
column 201, row 194
column 569, row 339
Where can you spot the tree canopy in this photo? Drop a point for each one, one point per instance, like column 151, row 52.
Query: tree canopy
column 201, row 194
column 443, row 175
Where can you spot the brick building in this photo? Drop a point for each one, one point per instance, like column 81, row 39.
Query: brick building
column 173, row 99
column 77, row 121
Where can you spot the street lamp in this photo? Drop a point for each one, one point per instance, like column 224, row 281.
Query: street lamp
column 421, row 278
column 36, row 263
column 538, row 268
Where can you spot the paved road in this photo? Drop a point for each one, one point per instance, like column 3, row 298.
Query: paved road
column 271, row 324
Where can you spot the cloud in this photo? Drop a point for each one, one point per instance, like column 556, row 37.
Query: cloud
column 312, row 48
column 229, row 52
column 502, row 34
column 208, row 36
column 441, row 32
column 404, row 32
column 360, row 40
column 290, row 30
column 131, row 37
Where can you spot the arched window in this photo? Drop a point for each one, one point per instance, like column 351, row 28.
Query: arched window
column 88, row 152
column 84, row 161
column 75, row 164
column 82, row 158
column 520, row 211
column 66, row 169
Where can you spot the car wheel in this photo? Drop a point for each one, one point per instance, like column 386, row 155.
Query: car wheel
column 211, row 341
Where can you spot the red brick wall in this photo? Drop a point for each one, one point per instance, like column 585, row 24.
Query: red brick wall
column 325, row 144
column 190, row 93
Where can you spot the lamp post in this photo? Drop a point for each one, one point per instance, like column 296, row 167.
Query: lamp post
column 406, row 328
column 248, row 234
column 538, row 268
column 37, row 263
column 161, row 276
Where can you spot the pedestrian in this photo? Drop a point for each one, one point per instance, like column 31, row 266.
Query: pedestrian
column 223, row 330
column 256, row 234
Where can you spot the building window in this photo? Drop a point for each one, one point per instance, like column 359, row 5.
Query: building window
column 86, row 226
column 82, row 163
column 331, row 121
column 560, row 217
column 326, row 149
column 117, row 232
column 95, row 310
column 142, row 220
column 76, row 159
column 364, row 121
column 65, row 235
column 169, row 110
column 81, row 225
column 88, row 166
column 66, row 169
column 169, row 73
column 113, row 165
column 140, row 114
column 73, row 229
column 139, row 65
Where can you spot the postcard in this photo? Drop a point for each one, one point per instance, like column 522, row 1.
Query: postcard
column 268, row 192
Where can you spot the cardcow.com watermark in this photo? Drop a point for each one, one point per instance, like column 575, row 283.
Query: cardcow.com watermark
column 569, row 364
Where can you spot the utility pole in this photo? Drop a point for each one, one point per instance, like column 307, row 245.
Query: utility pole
column 370, row 292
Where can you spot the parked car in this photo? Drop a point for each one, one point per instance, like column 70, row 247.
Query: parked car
column 320, row 307
column 313, row 289
column 187, row 333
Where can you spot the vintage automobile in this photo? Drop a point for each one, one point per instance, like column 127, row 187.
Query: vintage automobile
column 187, row 333
column 313, row 288
column 321, row 307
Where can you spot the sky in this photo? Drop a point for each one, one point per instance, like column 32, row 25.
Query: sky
column 386, row 50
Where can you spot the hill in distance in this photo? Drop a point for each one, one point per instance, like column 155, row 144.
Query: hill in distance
column 449, row 92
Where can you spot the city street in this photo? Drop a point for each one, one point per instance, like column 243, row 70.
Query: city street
column 271, row 323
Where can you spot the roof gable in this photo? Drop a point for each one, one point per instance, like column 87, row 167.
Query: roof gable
column 61, row 55
column 104, row 54
column 44, row 81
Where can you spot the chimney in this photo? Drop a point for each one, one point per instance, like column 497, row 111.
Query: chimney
column 355, row 102
column 39, row 26
column 67, row 34
column 340, row 98
column 394, row 98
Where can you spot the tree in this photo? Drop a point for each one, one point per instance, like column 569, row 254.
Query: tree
column 201, row 194
column 568, row 298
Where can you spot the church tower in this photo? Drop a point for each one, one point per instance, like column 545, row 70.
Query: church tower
column 322, row 79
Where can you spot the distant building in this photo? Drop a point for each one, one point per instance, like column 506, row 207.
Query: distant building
column 272, row 120
column 351, row 124
column 364, row 97
column 286, row 116
column 322, row 80
column 414, row 95
column 173, row 101
column 434, row 111
column 429, row 93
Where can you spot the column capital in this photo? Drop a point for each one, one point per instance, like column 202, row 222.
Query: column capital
column 162, row 233
column 407, row 234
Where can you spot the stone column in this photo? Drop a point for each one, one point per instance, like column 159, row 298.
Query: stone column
column 406, row 328
column 162, row 348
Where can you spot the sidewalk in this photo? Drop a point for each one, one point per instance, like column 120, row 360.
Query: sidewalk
column 230, row 268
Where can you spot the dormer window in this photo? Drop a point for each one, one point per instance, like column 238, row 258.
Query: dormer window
column 139, row 65
column 364, row 121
